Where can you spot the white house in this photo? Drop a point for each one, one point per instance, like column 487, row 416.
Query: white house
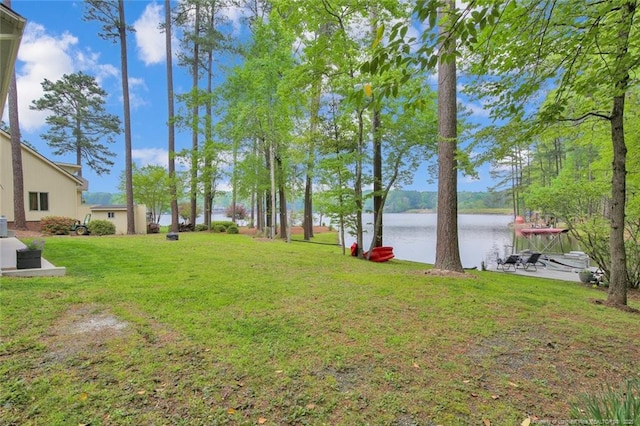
column 50, row 189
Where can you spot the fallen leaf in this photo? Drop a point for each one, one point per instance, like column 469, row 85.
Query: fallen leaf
column 466, row 381
column 515, row 385
column 231, row 411
column 311, row 406
column 526, row 422
column 83, row 396
column 475, row 395
column 141, row 392
column 262, row 421
column 495, row 396
column 486, row 422
column 415, row 365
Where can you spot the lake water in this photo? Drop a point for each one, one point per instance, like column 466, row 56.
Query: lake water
column 413, row 236
column 481, row 237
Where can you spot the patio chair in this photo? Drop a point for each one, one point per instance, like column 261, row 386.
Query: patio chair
column 513, row 260
column 531, row 262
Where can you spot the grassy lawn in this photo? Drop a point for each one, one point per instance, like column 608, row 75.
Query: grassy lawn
column 229, row 329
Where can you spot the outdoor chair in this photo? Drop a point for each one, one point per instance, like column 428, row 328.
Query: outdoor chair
column 531, row 261
column 506, row 264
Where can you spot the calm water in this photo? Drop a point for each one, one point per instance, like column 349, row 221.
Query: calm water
column 413, row 236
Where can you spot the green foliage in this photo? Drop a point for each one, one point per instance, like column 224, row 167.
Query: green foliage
column 233, row 229
column 218, row 228
column 78, row 120
column 34, row 244
column 611, row 406
column 201, row 227
column 101, row 227
column 224, row 223
column 152, row 187
column 56, row 225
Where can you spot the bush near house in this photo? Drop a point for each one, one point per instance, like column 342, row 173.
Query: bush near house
column 102, row 227
column 56, row 225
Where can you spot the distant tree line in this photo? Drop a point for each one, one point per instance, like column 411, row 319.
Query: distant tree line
column 398, row 201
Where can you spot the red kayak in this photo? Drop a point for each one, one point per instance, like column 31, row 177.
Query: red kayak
column 378, row 254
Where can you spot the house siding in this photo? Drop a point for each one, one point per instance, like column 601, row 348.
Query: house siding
column 40, row 176
column 119, row 218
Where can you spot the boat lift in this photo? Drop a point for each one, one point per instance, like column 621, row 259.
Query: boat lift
column 564, row 261
column 534, row 235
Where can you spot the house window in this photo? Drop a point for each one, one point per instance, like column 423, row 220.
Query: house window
column 111, row 215
column 39, row 201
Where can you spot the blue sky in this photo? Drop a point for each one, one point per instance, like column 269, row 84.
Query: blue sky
column 57, row 41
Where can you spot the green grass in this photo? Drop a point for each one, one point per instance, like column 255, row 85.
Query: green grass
column 228, row 329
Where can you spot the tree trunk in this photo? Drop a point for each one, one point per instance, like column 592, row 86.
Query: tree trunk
column 272, row 198
column 282, row 200
column 307, row 221
column 171, row 126
column 376, row 136
column 209, row 186
column 122, row 32
column 447, row 249
column 78, row 132
column 358, row 186
column 618, row 280
column 195, row 112
column 377, row 178
column 19, row 215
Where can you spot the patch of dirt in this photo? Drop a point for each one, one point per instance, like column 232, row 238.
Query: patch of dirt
column 445, row 273
column 519, row 363
column 28, row 234
column 83, row 329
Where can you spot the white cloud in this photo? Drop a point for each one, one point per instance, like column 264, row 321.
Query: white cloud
column 477, row 110
column 149, row 38
column 46, row 56
column 154, row 156
column 41, row 56
column 236, row 15
column 137, row 85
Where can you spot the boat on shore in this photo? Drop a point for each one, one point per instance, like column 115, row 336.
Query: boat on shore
column 546, row 241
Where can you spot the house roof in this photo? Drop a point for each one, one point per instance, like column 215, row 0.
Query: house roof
column 108, row 207
column 78, row 180
column 11, row 28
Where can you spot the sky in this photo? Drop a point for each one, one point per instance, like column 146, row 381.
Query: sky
column 57, row 41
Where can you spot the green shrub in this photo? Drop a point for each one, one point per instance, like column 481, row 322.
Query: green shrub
column 102, row 227
column 56, row 225
column 232, row 229
column 201, row 227
column 219, row 228
column 225, row 223
column 610, row 406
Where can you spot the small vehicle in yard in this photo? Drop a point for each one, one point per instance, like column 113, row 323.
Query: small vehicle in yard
column 82, row 228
